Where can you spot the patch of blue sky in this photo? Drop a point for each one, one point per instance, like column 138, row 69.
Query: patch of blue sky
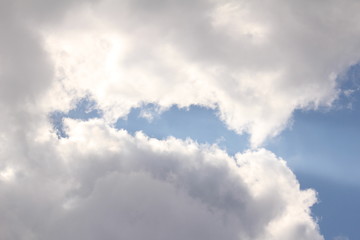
column 323, row 143
column 326, row 142
column 198, row 123
column 338, row 209
column 85, row 109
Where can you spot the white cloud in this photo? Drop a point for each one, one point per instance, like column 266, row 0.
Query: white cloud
column 256, row 62
column 104, row 183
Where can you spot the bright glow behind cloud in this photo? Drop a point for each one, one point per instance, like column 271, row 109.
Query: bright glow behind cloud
column 241, row 57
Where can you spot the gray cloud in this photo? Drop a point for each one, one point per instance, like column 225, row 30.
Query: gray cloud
column 105, row 183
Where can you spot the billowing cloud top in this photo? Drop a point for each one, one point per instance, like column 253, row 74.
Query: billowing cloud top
column 255, row 62
column 101, row 183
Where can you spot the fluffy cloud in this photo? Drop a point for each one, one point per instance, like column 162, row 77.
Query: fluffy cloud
column 255, row 62
column 104, row 183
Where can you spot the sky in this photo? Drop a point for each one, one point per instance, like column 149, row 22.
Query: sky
column 180, row 120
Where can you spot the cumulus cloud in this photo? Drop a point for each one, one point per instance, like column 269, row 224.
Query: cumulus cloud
column 255, row 62
column 104, row 183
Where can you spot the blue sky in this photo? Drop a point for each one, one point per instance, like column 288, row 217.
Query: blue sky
column 321, row 146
